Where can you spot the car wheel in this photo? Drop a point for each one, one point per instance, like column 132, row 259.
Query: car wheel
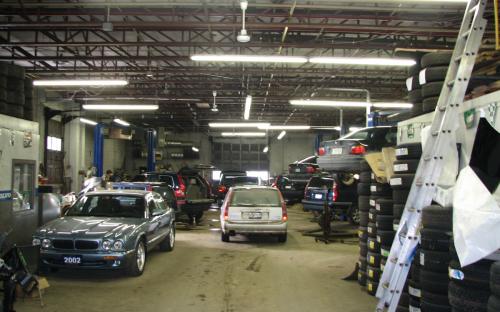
column 168, row 242
column 138, row 262
column 224, row 237
column 198, row 216
column 353, row 215
column 282, row 238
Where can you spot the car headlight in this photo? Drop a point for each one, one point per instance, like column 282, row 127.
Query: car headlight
column 118, row 245
column 107, row 244
column 45, row 243
column 36, row 242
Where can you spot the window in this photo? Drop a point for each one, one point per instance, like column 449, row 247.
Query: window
column 54, row 144
column 118, row 206
column 263, row 175
column 256, row 197
column 320, row 183
column 23, row 181
column 153, row 207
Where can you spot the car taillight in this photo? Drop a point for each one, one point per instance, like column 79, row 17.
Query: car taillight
column 284, row 214
column 180, row 191
column 335, row 192
column 321, row 151
column 310, row 169
column 222, row 189
column 225, row 206
column 358, row 150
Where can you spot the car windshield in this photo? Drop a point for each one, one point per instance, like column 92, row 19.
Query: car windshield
column 232, row 181
column 362, row 134
column 255, row 197
column 124, row 206
column 320, row 182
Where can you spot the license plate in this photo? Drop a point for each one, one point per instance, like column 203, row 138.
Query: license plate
column 252, row 215
column 318, row 196
column 297, row 170
column 288, row 187
column 336, row 151
column 73, row 260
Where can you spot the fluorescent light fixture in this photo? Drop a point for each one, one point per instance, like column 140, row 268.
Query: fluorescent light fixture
column 195, row 149
column 392, row 105
column 266, row 149
column 237, row 124
column 121, row 122
column 281, row 135
column 248, row 105
column 69, row 82
column 393, row 115
column 327, row 103
column 285, row 127
column 327, row 128
column 88, row 121
column 377, row 61
column 249, row 58
column 120, row 107
column 243, row 134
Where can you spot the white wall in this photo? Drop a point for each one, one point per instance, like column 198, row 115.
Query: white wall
column 294, row 146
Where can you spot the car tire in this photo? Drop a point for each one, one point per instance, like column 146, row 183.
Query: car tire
column 372, row 245
column 353, row 215
column 434, row 240
column 373, row 259
column 372, row 230
column 380, row 189
column 432, row 307
column 363, row 233
column 432, row 74
column 282, row 238
column 365, row 176
column 362, row 277
column 429, row 104
column 138, row 263
column 466, row 298
column 363, row 218
column 400, row 196
column 406, row 166
column 364, row 189
column 408, row 151
column 415, row 96
column 433, row 281
column 373, row 273
column 168, row 243
column 493, row 304
column 364, row 166
column 384, row 206
column 437, row 217
column 364, row 203
column 372, row 215
column 435, row 59
column 495, row 278
column 385, row 238
column 397, row 210
column 432, row 89
column 224, row 237
column 402, row 181
column 371, row 287
column 198, row 217
column 436, row 261
column 476, row 275
column 384, row 223
column 363, row 248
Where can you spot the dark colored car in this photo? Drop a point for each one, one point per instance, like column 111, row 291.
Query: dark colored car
column 192, row 192
column 340, row 193
column 112, row 229
column 229, row 181
column 162, row 188
column 292, row 186
column 306, row 166
column 345, row 154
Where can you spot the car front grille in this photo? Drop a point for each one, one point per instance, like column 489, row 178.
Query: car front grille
column 77, row 244
column 86, row 244
column 63, row 244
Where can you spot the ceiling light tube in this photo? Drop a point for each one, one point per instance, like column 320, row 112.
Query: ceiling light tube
column 281, row 135
column 327, row 128
column 327, row 103
column 237, row 124
column 248, row 105
column 249, row 58
column 88, row 121
column 376, row 61
column 120, row 107
column 243, row 134
column 195, row 149
column 121, row 122
column 266, row 149
column 392, row 105
column 284, row 127
column 69, row 82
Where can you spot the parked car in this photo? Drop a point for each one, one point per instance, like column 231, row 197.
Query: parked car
column 112, row 229
column 192, row 192
column 345, row 154
column 340, row 193
column 229, row 181
column 254, row 210
column 162, row 188
column 292, row 186
column 307, row 166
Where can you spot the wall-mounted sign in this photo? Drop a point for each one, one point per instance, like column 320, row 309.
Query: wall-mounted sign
column 5, row 195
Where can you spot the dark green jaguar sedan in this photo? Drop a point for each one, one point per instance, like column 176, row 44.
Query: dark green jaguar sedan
column 112, row 229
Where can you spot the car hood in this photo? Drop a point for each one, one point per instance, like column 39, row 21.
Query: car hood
column 90, row 227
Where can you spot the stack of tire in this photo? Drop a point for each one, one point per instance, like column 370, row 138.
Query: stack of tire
column 3, row 88
column 431, row 78
column 414, row 290
column 405, row 166
column 434, row 258
column 15, row 91
column 364, row 206
column 469, row 288
column 494, row 300
column 28, row 102
column 379, row 221
column 414, row 90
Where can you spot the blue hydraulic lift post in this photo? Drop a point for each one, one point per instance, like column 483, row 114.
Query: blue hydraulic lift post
column 151, row 141
column 98, row 149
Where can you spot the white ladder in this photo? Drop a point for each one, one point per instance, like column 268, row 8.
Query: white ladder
column 434, row 155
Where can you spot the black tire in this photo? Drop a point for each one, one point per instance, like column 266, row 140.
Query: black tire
column 224, row 237
column 363, row 248
column 372, row 215
column 15, row 98
column 385, row 238
column 413, row 84
column 436, row 261
column 380, row 189
column 434, row 240
column 282, row 238
column 365, row 176
column 364, row 166
column 198, row 216
column 3, row 82
column 397, row 210
column 433, row 282
column 395, row 224
column 364, row 203
column 362, row 263
column 431, row 307
column 384, row 223
column 14, row 110
column 383, row 261
column 467, row 299
column 406, row 166
column 404, row 300
column 14, row 71
column 168, row 243
column 363, row 233
column 400, row 196
column 372, row 230
column 402, row 181
column 429, row 104
column 416, row 109
column 414, row 288
column 439, row 299
column 414, row 303
column 371, row 287
column 362, row 277
column 402, row 309
column 373, row 273
column 373, row 259
column 476, row 275
column 415, row 96
column 364, row 189
column 435, row 59
column 373, row 245
column 353, row 215
column 493, row 304
column 437, row 217
column 135, row 268
column 495, row 278
column 432, row 74
column 432, row 89
column 15, row 85
column 363, row 218
column 384, row 206
column 408, row 151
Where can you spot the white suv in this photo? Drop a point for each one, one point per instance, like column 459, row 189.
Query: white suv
column 254, row 210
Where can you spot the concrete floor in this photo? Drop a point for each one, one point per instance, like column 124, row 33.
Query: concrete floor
column 204, row 274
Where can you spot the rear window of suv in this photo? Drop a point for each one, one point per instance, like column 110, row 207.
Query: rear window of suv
column 321, row 182
column 255, row 197
column 231, row 181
